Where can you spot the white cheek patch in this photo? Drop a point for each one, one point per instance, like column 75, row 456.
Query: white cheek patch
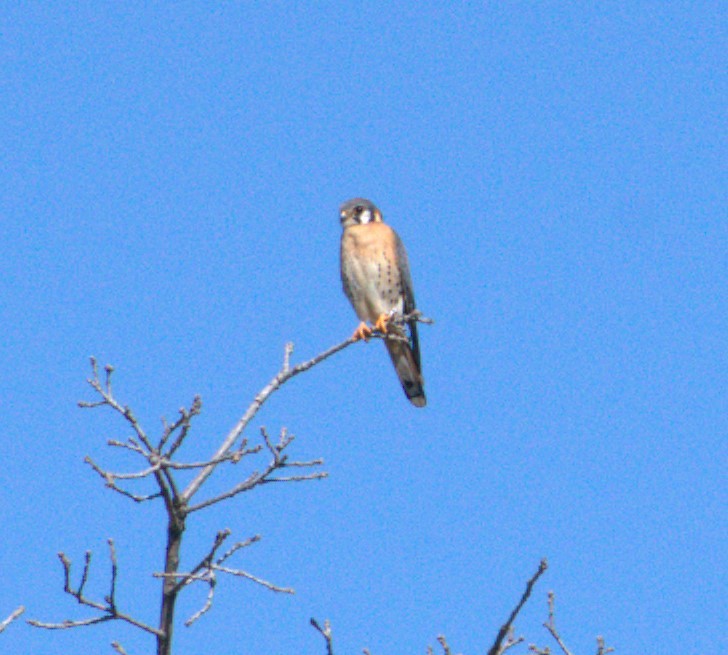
column 365, row 216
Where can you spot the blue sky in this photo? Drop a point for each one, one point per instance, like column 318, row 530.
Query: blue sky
column 171, row 176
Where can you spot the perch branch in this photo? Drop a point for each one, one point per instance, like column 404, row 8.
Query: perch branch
column 284, row 374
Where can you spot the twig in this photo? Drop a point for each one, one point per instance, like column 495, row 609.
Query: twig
column 550, row 625
column 14, row 615
column 109, row 607
column 496, row 648
column 109, row 479
column 256, row 478
column 326, row 633
column 205, row 572
column 208, row 601
column 445, row 646
column 163, row 477
column 511, row 641
column 107, row 399
column 182, row 424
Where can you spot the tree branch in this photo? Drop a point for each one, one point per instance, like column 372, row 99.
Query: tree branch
column 278, row 461
column 496, row 648
column 326, row 634
column 108, row 607
column 205, row 572
column 13, row 615
column 283, row 375
column 550, row 625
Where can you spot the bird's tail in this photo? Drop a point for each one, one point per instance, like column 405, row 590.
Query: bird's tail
column 408, row 371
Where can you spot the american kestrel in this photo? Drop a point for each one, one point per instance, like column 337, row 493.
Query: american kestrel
column 376, row 277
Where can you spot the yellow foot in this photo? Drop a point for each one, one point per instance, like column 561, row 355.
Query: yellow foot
column 381, row 323
column 362, row 332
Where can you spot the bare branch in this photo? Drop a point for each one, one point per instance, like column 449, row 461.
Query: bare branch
column 278, row 461
column 286, row 373
column 13, row 615
column 111, row 598
column 236, row 547
column 511, row 641
column 602, row 649
column 550, row 625
column 206, row 562
column 445, row 647
column 109, row 478
column 118, row 648
column 159, row 465
column 182, row 424
column 109, row 608
column 163, row 478
column 496, row 648
column 106, row 394
column 205, row 572
column 64, row 625
column 212, row 580
column 326, row 633
column 287, row 352
column 252, row 578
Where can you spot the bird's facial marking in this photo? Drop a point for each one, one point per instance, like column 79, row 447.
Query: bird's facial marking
column 359, row 212
column 363, row 214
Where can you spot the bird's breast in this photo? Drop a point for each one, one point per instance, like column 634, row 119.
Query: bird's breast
column 369, row 270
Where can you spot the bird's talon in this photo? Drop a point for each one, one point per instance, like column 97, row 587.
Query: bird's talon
column 362, row 332
column 381, row 323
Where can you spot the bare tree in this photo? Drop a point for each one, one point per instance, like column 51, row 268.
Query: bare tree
column 162, row 467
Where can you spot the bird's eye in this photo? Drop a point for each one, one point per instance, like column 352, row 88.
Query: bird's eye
column 358, row 209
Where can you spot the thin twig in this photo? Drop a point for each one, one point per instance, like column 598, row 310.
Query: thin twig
column 445, row 646
column 109, row 608
column 13, row 615
column 550, row 625
column 212, row 580
column 256, row 478
column 164, row 480
column 236, row 547
column 326, row 633
column 182, row 424
column 510, row 642
column 206, row 568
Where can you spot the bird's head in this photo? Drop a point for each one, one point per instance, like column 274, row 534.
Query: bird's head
column 359, row 211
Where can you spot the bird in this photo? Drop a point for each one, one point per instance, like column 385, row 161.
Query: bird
column 376, row 278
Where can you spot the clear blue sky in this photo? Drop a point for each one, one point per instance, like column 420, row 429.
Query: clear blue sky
column 171, row 175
